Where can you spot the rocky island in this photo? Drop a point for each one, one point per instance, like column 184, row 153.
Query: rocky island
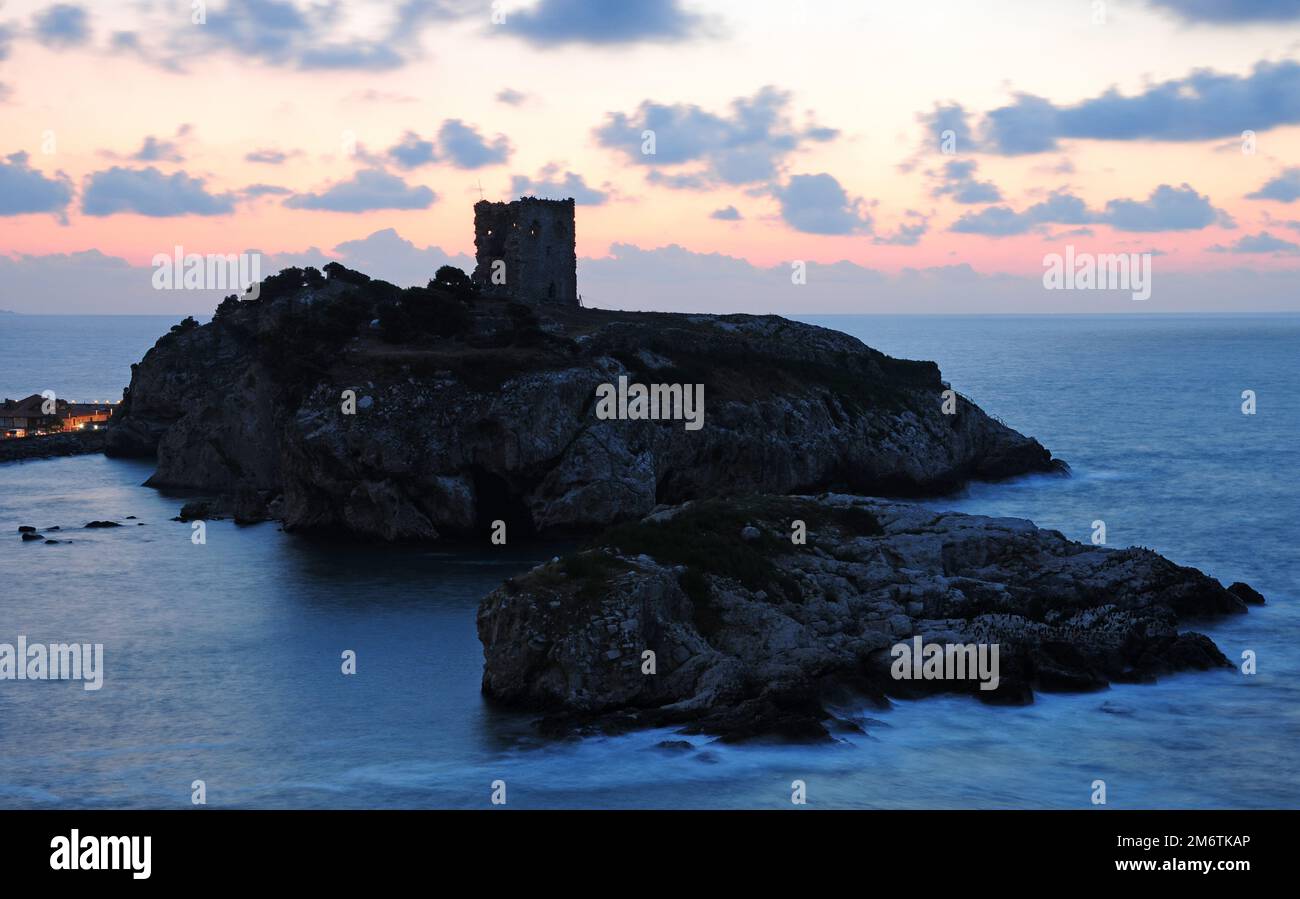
column 336, row 402
column 743, row 584
column 711, row 616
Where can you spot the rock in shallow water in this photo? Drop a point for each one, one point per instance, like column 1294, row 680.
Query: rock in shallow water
column 762, row 637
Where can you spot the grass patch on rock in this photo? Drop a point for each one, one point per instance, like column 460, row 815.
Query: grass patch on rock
column 705, row 537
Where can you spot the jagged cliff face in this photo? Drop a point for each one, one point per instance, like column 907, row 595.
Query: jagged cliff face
column 204, row 402
column 753, row 634
column 498, row 420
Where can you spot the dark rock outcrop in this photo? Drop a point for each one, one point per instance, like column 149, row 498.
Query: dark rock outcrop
column 763, row 636
column 246, row 506
column 197, row 510
column 487, row 411
column 49, row 446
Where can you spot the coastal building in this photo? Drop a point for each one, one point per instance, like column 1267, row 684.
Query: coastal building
column 87, row 416
column 527, row 251
column 28, row 417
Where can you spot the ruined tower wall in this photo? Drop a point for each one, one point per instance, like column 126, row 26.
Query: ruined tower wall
column 536, row 241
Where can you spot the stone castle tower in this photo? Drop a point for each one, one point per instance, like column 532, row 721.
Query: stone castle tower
column 535, row 239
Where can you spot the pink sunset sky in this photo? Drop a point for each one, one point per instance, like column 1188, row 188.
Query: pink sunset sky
column 783, row 130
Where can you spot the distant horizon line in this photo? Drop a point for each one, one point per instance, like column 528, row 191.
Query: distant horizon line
column 1074, row 314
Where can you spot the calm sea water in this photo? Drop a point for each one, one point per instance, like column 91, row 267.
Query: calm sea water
column 223, row 660
column 83, row 358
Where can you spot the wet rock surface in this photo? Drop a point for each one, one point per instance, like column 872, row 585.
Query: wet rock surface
column 764, row 637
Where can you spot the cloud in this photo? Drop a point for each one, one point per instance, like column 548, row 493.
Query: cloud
column 375, row 57
column 1030, row 125
column 269, row 30
column 6, row 40
column 1062, row 166
column 546, row 185
column 1231, row 12
column 269, row 157
column 385, row 254
column 1166, row 209
column 284, row 34
column 412, row 151
column 1202, row 106
column 1079, row 232
column 367, row 190
column 907, row 235
column 999, row 221
column 1292, row 224
column 682, row 181
column 553, row 22
column 511, row 97
column 126, row 42
column 817, row 204
column 149, row 192
column 726, row 214
column 130, row 43
column 749, row 145
column 62, row 25
column 1263, row 242
column 157, row 150
column 947, row 129
column 467, row 149
column 254, row 191
column 673, row 278
column 370, row 95
column 458, row 143
column 57, row 282
column 24, row 190
column 958, row 182
column 668, row 278
column 1285, row 188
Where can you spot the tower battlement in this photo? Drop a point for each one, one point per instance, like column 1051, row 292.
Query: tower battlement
column 527, row 250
